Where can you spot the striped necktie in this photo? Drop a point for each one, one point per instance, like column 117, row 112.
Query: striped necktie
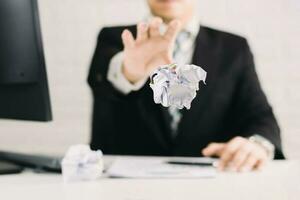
column 178, row 56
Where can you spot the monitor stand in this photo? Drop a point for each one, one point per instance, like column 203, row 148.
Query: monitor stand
column 36, row 162
column 9, row 168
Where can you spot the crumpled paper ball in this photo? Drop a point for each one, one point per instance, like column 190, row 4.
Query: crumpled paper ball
column 81, row 163
column 176, row 85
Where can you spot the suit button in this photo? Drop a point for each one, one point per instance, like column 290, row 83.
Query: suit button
column 99, row 77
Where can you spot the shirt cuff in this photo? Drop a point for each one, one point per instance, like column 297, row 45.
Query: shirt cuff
column 265, row 143
column 117, row 78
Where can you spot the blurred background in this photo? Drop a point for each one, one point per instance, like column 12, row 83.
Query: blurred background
column 70, row 29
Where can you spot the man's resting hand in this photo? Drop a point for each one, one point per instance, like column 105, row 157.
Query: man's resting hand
column 239, row 154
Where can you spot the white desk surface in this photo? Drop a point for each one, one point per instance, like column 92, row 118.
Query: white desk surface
column 279, row 180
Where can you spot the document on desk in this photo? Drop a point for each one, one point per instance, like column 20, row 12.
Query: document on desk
column 156, row 168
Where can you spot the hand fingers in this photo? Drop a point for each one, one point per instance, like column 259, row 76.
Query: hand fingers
column 229, row 151
column 127, row 38
column 249, row 163
column 172, row 30
column 262, row 159
column 154, row 27
column 257, row 157
column 213, row 149
column 241, row 157
column 142, row 32
column 260, row 164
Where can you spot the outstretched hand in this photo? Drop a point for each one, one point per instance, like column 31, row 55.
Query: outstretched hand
column 149, row 50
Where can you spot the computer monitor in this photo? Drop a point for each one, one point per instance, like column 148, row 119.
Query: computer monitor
column 23, row 80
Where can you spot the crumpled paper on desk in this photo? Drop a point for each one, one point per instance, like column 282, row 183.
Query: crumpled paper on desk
column 81, row 163
column 176, row 85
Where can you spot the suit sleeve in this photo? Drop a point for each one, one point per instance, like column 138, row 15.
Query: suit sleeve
column 254, row 115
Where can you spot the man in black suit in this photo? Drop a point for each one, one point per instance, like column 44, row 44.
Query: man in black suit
column 230, row 117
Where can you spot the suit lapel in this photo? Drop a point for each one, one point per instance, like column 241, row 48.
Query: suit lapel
column 205, row 56
column 153, row 117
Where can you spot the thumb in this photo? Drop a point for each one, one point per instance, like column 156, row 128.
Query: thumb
column 213, row 149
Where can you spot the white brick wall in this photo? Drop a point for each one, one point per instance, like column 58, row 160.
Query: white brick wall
column 70, row 28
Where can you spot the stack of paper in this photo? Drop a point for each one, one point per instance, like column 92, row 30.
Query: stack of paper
column 156, row 168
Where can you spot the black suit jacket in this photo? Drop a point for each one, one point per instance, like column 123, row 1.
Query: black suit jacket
column 231, row 104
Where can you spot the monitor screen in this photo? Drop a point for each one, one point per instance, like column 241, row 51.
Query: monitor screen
column 23, row 80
